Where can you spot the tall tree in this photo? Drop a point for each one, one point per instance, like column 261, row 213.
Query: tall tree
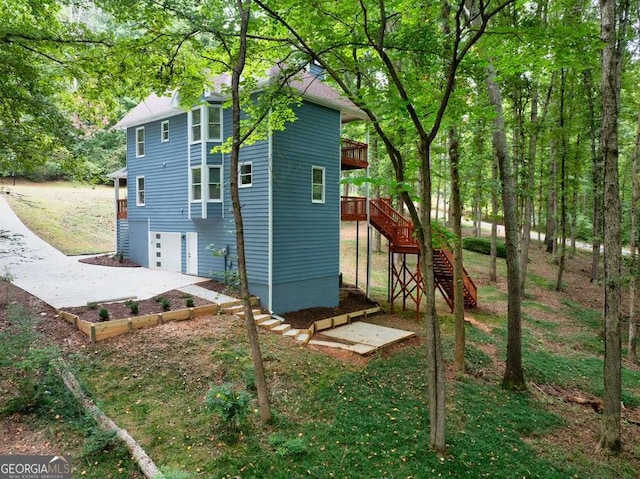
column 613, row 19
column 389, row 34
column 514, row 375
column 633, row 235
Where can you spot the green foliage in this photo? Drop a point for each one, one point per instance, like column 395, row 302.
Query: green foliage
column 229, row 404
column 103, row 314
column 133, row 306
column 287, row 447
column 165, row 303
column 483, row 246
column 189, row 302
column 24, row 363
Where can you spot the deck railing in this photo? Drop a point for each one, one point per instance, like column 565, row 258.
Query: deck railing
column 122, row 209
column 354, row 155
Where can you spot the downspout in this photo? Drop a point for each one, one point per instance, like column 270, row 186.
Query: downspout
column 189, row 124
column 270, row 221
column 204, row 171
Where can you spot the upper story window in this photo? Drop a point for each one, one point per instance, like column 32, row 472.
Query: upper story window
column 196, row 125
column 139, row 190
column 196, row 184
column 317, row 184
column 139, row 141
column 245, row 175
column 214, row 128
column 164, row 131
column 215, row 183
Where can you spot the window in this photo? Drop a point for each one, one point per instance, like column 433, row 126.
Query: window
column 196, row 125
column 164, row 131
column 215, row 183
column 139, row 190
column 245, row 175
column 196, row 184
column 317, row 184
column 214, row 131
column 140, row 142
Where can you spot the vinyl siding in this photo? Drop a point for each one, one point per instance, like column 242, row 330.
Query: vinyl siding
column 306, row 234
column 122, row 237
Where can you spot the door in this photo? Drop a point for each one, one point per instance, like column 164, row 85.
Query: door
column 165, row 251
column 192, row 253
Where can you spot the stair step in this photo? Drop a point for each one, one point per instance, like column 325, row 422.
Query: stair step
column 261, row 318
column 239, row 309
column 291, row 333
column 303, row 338
column 270, row 323
column 281, row 328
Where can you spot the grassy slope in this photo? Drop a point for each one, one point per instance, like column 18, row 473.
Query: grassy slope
column 337, row 418
column 75, row 218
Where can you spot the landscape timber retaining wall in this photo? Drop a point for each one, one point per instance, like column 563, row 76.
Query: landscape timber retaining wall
column 109, row 329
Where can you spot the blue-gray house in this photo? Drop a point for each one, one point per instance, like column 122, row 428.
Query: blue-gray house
column 178, row 202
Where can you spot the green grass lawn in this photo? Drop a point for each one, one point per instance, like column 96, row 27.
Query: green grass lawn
column 74, row 218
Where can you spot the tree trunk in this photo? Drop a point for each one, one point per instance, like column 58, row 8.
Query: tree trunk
column 635, row 280
column 514, row 375
column 529, row 188
column 552, row 206
column 252, row 330
column 597, row 166
column 435, row 360
column 493, row 277
column 458, row 271
column 146, row 464
column 563, row 188
column 611, row 71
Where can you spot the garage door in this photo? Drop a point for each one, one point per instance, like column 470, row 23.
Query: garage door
column 165, row 251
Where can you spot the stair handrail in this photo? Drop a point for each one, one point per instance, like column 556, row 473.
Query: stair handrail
column 468, row 283
column 393, row 222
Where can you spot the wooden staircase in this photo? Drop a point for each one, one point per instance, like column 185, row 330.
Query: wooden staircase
column 399, row 231
column 266, row 321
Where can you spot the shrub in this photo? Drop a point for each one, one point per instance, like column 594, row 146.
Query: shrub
column 166, row 304
column 103, row 314
column 133, row 306
column 189, row 302
column 483, row 246
column 229, row 404
column 284, row 447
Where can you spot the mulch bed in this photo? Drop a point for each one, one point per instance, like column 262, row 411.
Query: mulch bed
column 355, row 301
column 115, row 261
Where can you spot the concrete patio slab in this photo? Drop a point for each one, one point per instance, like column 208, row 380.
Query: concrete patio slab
column 368, row 334
column 59, row 280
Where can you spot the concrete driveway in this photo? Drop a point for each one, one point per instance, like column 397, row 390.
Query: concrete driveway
column 59, row 280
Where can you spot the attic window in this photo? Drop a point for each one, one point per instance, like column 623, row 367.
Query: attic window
column 164, row 131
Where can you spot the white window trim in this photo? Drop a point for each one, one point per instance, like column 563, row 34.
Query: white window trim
column 215, row 200
column 191, row 199
column 138, row 143
column 206, row 125
column 202, row 117
column 248, row 185
column 144, row 191
column 321, row 168
column 162, row 131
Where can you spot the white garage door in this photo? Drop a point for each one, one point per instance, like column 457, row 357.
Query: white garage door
column 165, row 251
